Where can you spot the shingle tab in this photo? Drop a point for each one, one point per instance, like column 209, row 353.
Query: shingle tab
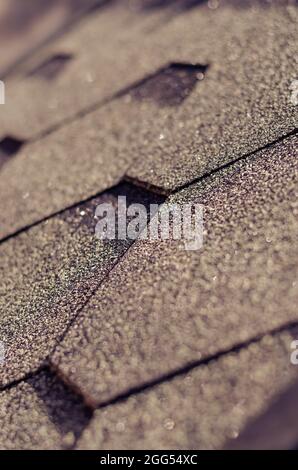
column 198, row 410
column 49, row 272
column 40, row 413
column 276, row 429
column 164, row 302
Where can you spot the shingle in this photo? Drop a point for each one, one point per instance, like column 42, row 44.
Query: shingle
column 48, row 273
column 162, row 301
column 276, row 429
column 200, row 409
column 243, row 103
column 211, row 87
column 40, row 413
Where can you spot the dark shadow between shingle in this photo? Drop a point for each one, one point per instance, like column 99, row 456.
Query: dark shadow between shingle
column 9, row 147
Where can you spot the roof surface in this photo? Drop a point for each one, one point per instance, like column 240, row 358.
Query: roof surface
column 140, row 344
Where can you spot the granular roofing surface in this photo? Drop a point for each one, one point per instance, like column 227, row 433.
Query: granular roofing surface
column 67, row 263
column 145, row 344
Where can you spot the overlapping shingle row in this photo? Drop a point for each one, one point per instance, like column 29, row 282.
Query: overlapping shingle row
column 105, row 57
column 162, row 301
column 117, row 322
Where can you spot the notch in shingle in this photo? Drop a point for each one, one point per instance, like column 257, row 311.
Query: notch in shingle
column 9, row 146
column 52, row 67
column 171, row 85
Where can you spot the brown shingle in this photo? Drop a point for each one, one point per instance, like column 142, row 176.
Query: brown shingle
column 73, row 164
column 40, row 413
column 163, row 307
column 162, row 311
column 242, row 104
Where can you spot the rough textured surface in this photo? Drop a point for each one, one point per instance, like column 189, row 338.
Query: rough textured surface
column 49, row 273
column 40, row 413
column 253, row 63
column 26, row 25
column 198, row 410
column 164, row 302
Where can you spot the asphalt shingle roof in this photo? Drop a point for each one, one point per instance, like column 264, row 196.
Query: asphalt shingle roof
column 241, row 105
column 74, row 163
